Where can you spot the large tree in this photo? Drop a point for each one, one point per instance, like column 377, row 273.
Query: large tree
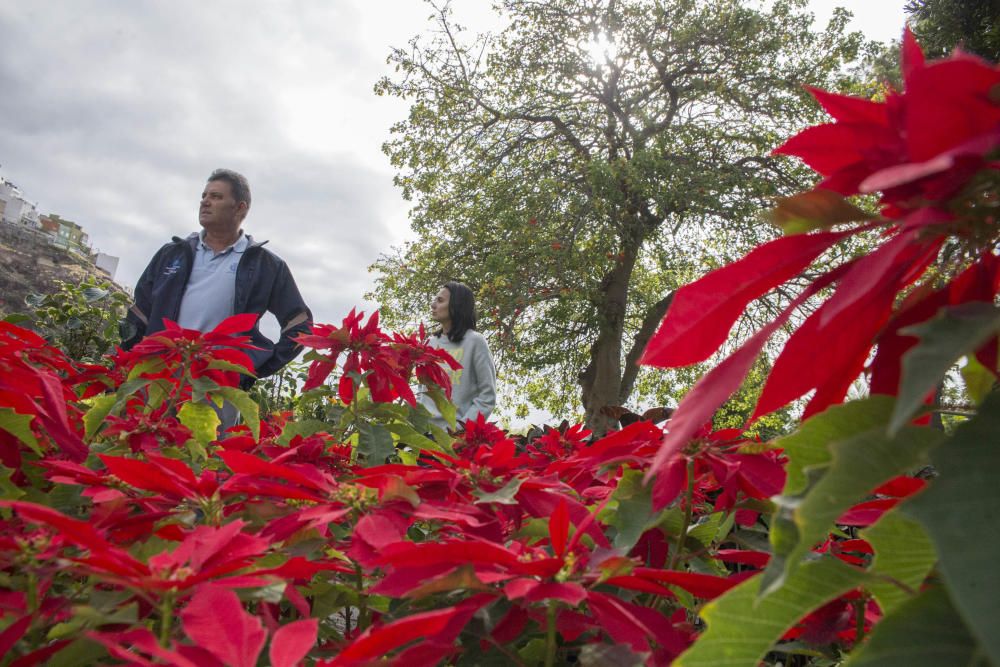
column 589, row 159
column 941, row 25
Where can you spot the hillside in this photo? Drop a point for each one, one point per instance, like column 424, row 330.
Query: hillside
column 29, row 264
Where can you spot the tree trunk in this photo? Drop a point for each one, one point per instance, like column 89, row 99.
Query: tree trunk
column 601, row 382
column 650, row 323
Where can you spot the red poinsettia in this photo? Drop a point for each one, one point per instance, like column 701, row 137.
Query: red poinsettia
column 918, row 147
column 427, row 364
column 384, row 364
column 924, row 147
column 214, row 354
column 723, row 465
column 35, row 382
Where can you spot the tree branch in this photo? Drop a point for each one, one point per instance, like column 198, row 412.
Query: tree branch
column 654, row 315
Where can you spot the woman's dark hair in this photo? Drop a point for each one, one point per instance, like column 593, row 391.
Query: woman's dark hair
column 461, row 310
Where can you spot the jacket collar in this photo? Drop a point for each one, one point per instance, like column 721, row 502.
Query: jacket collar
column 193, row 238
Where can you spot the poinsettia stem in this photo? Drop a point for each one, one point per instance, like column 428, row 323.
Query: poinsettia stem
column 550, row 639
column 688, row 509
column 859, row 619
column 183, row 379
column 32, row 593
column 166, row 619
column 362, row 598
column 34, row 633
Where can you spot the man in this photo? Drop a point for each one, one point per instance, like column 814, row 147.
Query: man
column 209, row 276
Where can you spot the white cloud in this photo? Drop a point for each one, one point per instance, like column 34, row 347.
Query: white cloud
column 881, row 20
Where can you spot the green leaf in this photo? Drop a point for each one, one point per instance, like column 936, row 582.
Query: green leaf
column 725, row 527
column 8, row 490
column 87, row 616
column 952, row 334
column 35, row 300
column 634, row 513
column 305, row 428
column 386, row 411
column 16, row 318
column 130, row 387
column 83, row 651
column 444, row 440
column 95, row 417
column 620, row 655
column 961, row 511
column 707, row 528
column 979, row 380
column 504, row 495
column 409, row 435
column 903, row 553
column 201, row 386
column 247, row 406
column 19, row 426
column 92, row 294
column 925, row 630
column 67, row 498
column 144, row 367
column 533, row 652
column 815, row 209
column 375, row 444
column 202, row 419
column 743, row 628
column 444, row 406
column 807, row 448
column 112, row 404
column 272, row 593
column 858, row 465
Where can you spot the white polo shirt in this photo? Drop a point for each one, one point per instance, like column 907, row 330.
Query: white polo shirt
column 211, row 290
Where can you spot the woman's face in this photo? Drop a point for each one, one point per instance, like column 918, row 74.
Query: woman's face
column 439, row 306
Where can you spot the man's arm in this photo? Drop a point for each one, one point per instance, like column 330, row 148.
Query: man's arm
column 294, row 318
column 133, row 328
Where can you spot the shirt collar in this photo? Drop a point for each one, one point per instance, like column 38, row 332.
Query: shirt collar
column 238, row 246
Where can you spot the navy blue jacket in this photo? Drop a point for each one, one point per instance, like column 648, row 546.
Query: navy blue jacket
column 263, row 283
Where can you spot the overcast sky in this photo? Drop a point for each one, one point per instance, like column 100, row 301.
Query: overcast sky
column 113, row 112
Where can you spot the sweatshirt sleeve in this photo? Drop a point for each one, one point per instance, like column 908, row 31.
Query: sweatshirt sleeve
column 481, row 363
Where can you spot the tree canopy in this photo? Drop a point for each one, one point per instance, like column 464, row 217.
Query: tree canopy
column 586, row 161
column 941, row 25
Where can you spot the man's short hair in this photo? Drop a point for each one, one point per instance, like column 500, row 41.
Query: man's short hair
column 237, row 181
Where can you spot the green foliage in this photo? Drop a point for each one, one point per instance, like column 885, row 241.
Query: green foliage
column 925, row 631
column 857, row 464
column 904, row 555
column 742, row 629
column 279, row 392
column 941, row 25
column 959, row 512
column 80, row 319
column 954, row 333
column 736, row 412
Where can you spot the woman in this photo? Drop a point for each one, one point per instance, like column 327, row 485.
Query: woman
column 473, row 388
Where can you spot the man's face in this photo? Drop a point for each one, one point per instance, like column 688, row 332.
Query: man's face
column 219, row 210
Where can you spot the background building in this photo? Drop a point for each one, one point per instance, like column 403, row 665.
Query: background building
column 107, row 263
column 67, row 234
column 16, row 209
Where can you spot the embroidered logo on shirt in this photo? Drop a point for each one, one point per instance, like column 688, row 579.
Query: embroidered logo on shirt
column 172, row 268
column 232, row 267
